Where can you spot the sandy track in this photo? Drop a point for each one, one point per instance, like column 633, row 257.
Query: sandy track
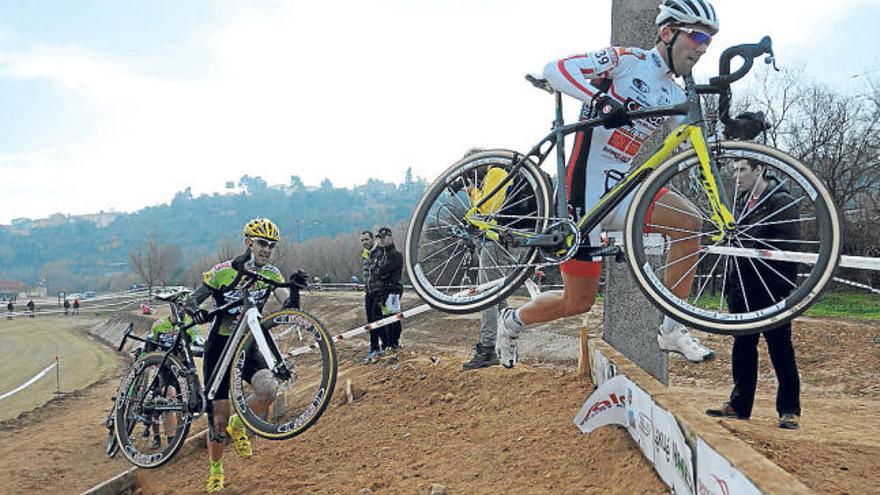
column 29, row 345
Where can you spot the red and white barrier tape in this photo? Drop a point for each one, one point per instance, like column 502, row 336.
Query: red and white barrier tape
column 860, row 262
column 29, row 382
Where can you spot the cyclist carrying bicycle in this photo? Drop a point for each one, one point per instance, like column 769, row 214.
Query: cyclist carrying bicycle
column 223, row 282
column 617, row 79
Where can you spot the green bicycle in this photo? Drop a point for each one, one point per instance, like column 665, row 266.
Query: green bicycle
column 492, row 216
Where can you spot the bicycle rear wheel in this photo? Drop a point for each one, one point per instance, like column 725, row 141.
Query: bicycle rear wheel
column 458, row 266
column 151, row 419
column 309, row 356
column 764, row 273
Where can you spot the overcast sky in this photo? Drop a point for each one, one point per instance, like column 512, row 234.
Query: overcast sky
column 119, row 104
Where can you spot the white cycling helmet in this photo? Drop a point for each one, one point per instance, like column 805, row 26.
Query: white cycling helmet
column 688, row 12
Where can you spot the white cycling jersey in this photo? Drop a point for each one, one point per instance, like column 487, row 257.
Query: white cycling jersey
column 634, row 77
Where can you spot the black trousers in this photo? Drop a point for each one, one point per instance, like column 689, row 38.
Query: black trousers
column 394, row 331
column 378, row 336
column 745, row 371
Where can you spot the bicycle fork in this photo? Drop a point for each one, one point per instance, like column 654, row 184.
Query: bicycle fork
column 721, row 216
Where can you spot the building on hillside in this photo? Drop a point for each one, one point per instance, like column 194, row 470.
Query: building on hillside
column 10, row 290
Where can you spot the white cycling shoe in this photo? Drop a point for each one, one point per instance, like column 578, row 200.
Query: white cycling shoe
column 505, row 340
column 680, row 341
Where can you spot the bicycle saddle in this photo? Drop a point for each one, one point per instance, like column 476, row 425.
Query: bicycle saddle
column 540, row 83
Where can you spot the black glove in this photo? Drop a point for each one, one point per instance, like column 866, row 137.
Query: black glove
column 612, row 113
column 300, row 278
column 239, row 261
column 200, row 316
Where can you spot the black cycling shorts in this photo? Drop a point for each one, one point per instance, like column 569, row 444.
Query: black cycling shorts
column 213, row 351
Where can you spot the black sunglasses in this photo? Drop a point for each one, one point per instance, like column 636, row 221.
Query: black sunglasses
column 263, row 243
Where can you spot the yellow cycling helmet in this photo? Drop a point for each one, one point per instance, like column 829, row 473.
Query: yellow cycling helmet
column 262, row 227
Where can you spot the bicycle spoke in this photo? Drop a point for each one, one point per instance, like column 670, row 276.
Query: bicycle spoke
column 781, row 222
column 455, row 250
column 667, row 206
column 773, row 214
column 742, row 286
column 673, row 229
column 708, row 279
column 724, row 279
column 760, row 277
column 692, row 268
column 783, row 277
column 435, row 253
column 702, row 214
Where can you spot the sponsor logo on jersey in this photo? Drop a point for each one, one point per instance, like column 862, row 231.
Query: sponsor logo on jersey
column 657, row 60
column 641, row 86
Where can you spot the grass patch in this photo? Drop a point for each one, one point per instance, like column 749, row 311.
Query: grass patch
column 838, row 304
column 847, row 305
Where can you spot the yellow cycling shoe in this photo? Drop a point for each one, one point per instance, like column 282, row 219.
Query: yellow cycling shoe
column 215, row 479
column 240, row 441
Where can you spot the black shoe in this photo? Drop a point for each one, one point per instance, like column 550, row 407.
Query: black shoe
column 483, row 357
column 725, row 411
column 789, row 421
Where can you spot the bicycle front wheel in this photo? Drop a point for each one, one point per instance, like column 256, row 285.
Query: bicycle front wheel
column 151, row 419
column 282, row 403
column 459, row 264
column 761, row 274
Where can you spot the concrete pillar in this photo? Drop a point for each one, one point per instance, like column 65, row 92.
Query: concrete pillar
column 631, row 321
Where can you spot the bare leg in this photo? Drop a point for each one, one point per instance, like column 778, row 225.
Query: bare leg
column 682, row 229
column 221, row 419
column 577, row 297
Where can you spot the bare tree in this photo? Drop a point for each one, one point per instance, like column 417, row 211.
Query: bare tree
column 838, row 135
column 154, row 263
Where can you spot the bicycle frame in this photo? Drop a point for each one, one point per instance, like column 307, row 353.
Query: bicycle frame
column 249, row 321
column 693, row 130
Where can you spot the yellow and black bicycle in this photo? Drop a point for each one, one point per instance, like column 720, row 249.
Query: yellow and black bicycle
column 493, row 216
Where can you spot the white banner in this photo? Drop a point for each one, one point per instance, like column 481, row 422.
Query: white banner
column 716, row 476
column 605, row 406
column 28, row 383
column 672, row 456
column 640, row 423
column 601, row 369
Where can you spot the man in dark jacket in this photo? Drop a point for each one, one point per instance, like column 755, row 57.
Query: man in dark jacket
column 386, row 288
column 753, row 284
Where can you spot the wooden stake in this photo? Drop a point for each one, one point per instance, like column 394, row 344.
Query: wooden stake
column 584, row 356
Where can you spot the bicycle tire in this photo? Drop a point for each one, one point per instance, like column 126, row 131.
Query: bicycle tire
column 811, row 210
column 437, row 225
column 133, row 402
column 301, row 399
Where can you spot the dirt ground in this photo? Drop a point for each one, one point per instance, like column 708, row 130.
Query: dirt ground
column 421, row 420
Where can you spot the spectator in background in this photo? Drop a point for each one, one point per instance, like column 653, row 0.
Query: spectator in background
column 378, row 336
column 66, row 307
column 32, row 308
column 385, row 282
column 9, row 309
column 76, row 306
column 760, row 285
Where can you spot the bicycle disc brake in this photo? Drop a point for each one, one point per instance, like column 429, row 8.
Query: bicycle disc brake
column 571, row 241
